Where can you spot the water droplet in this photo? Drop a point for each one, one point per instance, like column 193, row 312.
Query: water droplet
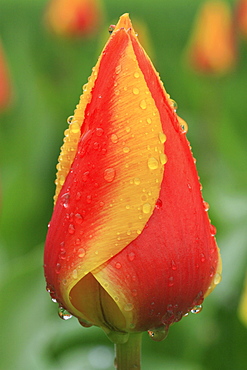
column 183, row 124
column 143, row 104
column 196, row 309
column 109, row 174
column 162, row 137
column 135, row 91
column 78, row 241
column 163, row 158
column 173, row 265
column 206, row 206
column 212, row 230
column 63, row 314
column 84, row 87
column 174, row 105
column 71, row 229
column 131, row 256
column 99, row 131
column 158, row 334
column 69, row 120
column 62, row 254
column 89, row 199
column 58, row 268
column 146, row 208
column 134, row 292
column 128, row 307
column 217, row 278
column 85, row 323
column 111, row 28
column 78, row 218
column 81, row 252
column 137, row 181
column 153, row 164
column 118, row 69
column 78, row 196
column 118, row 265
column 158, row 204
column 203, row 258
column 114, row 138
column 127, row 129
column 75, row 274
column 75, row 128
column 126, row 149
column 65, row 200
column 136, row 75
column 171, row 281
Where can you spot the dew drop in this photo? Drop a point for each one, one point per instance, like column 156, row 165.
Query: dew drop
column 78, row 218
column 206, row 206
column 118, row 265
column 212, row 230
column 109, row 174
column 136, row 75
column 137, row 181
column 62, row 254
column 146, row 208
column 69, row 120
column 143, row 104
column 174, row 105
column 89, row 199
column 163, row 158
column 135, row 91
column 111, row 28
column 81, row 252
column 114, row 138
column 158, row 204
column 173, row 265
column 217, row 278
column 159, row 334
column 153, row 164
column 131, row 256
column 196, row 309
column 71, row 229
column 99, row 131
column 127, row 129
column 75, row 274
column 171, row 281
column 126, row 149
column 118, row 69
column 65, row 200
column 128, row 307
column 58, row 268
column 64, row 314
column 75, row 128
column 84, row 87
column 162, row 137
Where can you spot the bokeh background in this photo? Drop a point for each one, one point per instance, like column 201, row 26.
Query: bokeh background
column 46, row 71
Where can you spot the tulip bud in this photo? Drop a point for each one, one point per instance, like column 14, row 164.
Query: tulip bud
column 212, row 49
column 130, row 247
column 73, row 18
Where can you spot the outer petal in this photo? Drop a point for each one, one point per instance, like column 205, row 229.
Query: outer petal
column 101, row 206
column 175, row 262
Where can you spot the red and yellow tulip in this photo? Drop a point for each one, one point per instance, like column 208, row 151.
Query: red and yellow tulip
column 212, row 47
column 130, row 246
column 74, row 18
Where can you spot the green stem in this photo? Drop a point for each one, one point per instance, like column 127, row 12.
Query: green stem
column 128, row 355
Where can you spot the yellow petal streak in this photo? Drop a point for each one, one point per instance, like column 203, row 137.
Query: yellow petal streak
column 135, row 163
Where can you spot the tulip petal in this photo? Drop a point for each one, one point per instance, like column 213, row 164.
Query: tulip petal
column 116, row 173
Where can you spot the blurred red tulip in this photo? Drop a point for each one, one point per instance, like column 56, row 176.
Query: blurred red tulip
column 74, row 18
column 242, row 16
column 212, row 48
column 5, row 86
column 130, row 246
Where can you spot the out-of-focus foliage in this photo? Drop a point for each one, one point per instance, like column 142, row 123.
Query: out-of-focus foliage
column 47, row 73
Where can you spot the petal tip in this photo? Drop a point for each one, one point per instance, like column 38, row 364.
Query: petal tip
column 124, row 22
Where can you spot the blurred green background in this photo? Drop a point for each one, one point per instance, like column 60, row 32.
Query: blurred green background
column 47, row 73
